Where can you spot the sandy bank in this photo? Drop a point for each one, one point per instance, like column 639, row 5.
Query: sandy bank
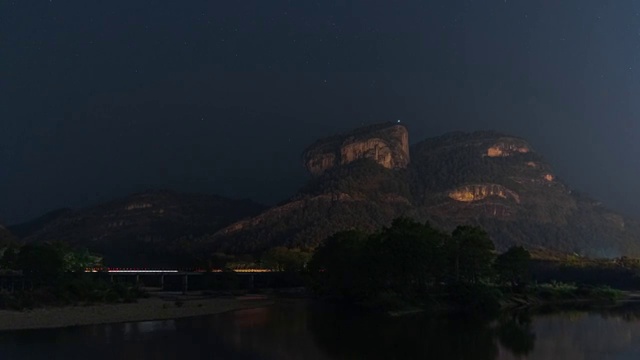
column 154, row 308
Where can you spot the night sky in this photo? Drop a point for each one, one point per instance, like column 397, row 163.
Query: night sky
column 99, row 99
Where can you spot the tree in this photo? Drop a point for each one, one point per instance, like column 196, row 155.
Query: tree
column 79, row 261
column 284, row 259
column 219, row 260
column 49, row 261
column 9, row 258
column 410, row 255
column 42, row 262
column 339, row 266
column 471, row 254
column 512, row 266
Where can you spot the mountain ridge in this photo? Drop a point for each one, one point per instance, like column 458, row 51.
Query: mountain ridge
column 151, row 228
column 484, row 178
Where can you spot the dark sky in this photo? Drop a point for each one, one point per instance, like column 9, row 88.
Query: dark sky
column 99, row 99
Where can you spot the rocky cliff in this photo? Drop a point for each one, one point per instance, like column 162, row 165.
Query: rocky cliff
column 387, row 144
column 484, row 178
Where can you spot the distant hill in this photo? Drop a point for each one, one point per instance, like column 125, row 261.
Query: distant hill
column 28, row 228
column 5, row 237
column 483, row 178
column 152, row 228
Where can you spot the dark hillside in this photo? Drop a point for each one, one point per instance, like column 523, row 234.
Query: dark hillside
column 148, row 229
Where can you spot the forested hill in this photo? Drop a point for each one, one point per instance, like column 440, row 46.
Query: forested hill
column 5, row 236
column 154, row 228
column 483, row 178
column 361, row 180
column 503, row 184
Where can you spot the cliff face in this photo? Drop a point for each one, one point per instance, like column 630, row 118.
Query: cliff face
column 507, row 146
column 386, row 144
column 478, row 192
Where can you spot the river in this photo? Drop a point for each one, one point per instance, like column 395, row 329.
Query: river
column 302, row 330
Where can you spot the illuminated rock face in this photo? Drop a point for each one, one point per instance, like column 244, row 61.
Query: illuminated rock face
column 137, row 206
column 508, row 147
column 477, row 192
column 375, row 149
column 386, row 144
column 318, row 164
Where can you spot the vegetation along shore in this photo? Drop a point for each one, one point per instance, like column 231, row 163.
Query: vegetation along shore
column 402, row 269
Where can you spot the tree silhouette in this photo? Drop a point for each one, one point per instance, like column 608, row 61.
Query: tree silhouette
column 471, row 253
column 512, row 266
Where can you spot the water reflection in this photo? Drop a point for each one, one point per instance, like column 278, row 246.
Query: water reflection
column 302, row 330
column 346, row 336
column 134, row 330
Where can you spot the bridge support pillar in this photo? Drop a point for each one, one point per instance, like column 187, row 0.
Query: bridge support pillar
column 185, row 284
column 162, row 281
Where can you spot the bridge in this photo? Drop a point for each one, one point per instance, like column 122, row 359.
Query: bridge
column 164, row 278
column 175, row 279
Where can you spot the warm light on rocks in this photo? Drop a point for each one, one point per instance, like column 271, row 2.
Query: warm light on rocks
column 508, row 147
column 136, row 206
column 388, row 147
column 478, row 192
column 494, row 151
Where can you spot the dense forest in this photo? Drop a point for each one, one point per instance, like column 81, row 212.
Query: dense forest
column 414, row 265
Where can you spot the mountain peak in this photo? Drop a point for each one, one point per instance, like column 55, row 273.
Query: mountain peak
column 484, row 178
column 385, row 143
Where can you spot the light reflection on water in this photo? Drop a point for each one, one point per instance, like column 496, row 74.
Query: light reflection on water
column 301, row 330
column 585, row 336
column 132, row 330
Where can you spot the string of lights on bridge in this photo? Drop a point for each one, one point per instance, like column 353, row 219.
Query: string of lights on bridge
column 165, row 271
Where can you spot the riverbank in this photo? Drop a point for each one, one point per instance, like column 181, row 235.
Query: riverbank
column 160, row 306
column 491, row 300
